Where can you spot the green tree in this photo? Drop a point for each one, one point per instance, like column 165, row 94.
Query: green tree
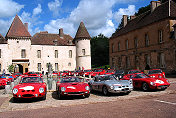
column 99, row 51
column 11, row 68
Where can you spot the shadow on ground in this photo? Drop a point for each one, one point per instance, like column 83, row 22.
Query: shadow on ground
column 54, row 95
column 25, row 100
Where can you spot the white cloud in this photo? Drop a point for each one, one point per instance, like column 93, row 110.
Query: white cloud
column 124, row 11
column 37, row 10
column 54, row 6
column 5, row 24
column 9, row 8
column 97, row 16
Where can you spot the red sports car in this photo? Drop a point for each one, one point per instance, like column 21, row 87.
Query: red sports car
column 30, row 87
column 87, row 72
column 109, row 72
column 69, row 86
column 97, row 72
column 156, row 73
column 3, row 82
column 17, row 74
column 146, row 83
column 33, row 74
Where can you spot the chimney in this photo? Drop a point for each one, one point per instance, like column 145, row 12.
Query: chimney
column 154, row 4
column 61, row 33
column 132, row 17
column 125, row 20
column 26, row 26
column 174, row 31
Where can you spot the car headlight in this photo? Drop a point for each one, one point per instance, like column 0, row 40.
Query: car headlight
column 153, row 76
column 41, row 90
column 111, row 87
column 15, row 91
column 167, row 81
column 87, row 88
column 152, row 83
column 63, row 89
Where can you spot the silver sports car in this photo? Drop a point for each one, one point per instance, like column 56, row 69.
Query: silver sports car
column 109, row 84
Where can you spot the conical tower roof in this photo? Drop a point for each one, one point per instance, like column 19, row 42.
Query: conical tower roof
column 82, row 32
column 17, row 29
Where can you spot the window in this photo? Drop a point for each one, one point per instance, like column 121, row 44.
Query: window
column 113, row 63
column 127, row 62
column 56, row 53
column 38, row 53
column 118, row 46
column 119, row 62
column 69, row 64
column 161, row 60
column 39, row 67
column 70, row 53
column 23, row 53
column 83, row 51
column 56, row 66
column 146, row 40
column 126, row 44
column 147, row 59
column 160, row 36
column 0, row 53
column 0, row 67
column 135, row 42
column 112, row 48
column 136, row 61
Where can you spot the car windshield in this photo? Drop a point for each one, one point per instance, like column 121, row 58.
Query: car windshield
column 87, row 70
column 105, row 78
column 70, row 80
column 17, row 74
column 139, row 76
column 109, row 71
column 98, row 70
column 119, row 72
column 134, row 71
column 154, row 71
column 31, row 80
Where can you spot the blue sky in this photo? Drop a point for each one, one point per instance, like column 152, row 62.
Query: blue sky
column 99, row 16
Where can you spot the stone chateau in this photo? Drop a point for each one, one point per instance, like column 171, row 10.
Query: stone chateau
column 147, row 39
column 34, row 53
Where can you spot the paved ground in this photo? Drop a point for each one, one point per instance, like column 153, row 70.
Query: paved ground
column 137, row 104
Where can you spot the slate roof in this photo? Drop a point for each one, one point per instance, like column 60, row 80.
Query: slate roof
column 160, row 13
column 82, row 32
column 2, row 40
column 17, row 29
column 45, row 38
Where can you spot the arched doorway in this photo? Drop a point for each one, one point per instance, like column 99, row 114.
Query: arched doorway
column 20, row 68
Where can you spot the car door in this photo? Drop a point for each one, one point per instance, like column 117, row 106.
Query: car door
column 136, row 81
column 95, row 84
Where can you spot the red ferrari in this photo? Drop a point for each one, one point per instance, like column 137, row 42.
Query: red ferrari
column 146, row 83
column 156, row 73
column 33, row 74
column 30, row 87
column 72, row 86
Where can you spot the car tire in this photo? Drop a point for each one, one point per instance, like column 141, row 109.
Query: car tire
column 86, row 96
column 59, row 95
column 145, row 87
column 44, row 97
column 105, row 91
column 15, row 99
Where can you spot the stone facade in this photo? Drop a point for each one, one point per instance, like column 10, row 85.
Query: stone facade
column 150, row 43
column 28, row 53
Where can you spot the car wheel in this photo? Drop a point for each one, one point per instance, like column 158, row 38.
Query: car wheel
column 105, row 91
column 145, row 87
column 44, row 97
column 59, row 95
column 15, row 99
column 86, row 96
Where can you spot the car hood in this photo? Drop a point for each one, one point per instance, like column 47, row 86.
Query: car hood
column 28, row 86
column 78, row 86
column 117, row 82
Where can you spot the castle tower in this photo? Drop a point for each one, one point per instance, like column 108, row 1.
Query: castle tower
column 83, row 49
